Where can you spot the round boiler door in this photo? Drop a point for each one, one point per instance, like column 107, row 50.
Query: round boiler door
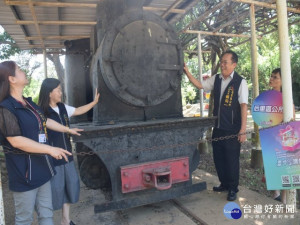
column 141, row 59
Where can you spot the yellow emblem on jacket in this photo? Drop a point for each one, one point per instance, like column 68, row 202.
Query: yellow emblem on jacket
column 228, row 96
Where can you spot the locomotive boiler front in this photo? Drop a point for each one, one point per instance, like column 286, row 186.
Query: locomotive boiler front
column 140, row 62
column 139, row 147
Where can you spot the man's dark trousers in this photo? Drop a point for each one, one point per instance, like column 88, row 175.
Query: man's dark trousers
column 226, row 154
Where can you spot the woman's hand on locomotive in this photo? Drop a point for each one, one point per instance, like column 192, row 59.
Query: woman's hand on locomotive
column 74, row 131
column 83, row 109
column 59, row 153
column 53, row 125
column 97, row 96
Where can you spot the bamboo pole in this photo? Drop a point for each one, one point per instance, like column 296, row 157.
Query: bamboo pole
column 179, row 11
column 35, row 20
column 52, row 4
column 30, row 22
column 254, row 69
column 205, row 14
column 200, row 74
column 47, row 46
column 45, row 64
column 66, row 37
column 196, row 52
column 285, row 64
column 216, row 33
column 173, row 6
column 267, row 5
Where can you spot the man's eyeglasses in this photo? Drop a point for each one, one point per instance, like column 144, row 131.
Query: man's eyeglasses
column 274, row 77
column 224, row 62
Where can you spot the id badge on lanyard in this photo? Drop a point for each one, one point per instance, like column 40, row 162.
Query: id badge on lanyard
column 42, row 137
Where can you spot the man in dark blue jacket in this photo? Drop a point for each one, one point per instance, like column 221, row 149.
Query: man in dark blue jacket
column 230, row 106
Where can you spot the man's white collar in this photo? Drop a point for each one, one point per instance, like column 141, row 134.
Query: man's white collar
column 231, row 75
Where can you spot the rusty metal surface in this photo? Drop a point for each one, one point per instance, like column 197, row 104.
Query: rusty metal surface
column 160, row 174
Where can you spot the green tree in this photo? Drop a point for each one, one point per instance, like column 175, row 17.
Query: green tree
column 8, row 46
column 29, row 64
column 10, row 51
column 190, row 94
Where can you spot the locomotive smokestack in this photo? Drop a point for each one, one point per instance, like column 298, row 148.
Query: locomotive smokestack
column 109, row 10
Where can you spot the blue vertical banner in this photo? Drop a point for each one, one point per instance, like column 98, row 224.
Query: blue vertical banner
column 281, row 155
column 280, row 143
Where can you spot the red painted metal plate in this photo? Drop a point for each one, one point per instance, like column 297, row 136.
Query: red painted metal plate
column 156, row 174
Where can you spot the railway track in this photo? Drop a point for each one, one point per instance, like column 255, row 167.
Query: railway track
column 162, row 216
column 187, row 212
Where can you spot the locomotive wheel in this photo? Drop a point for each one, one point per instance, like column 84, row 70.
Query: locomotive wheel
column 93, row 173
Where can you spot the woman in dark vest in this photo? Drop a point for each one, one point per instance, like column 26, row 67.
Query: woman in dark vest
column 23, row 129
column 65, row 184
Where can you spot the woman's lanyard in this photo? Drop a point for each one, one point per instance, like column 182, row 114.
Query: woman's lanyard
column 67, row 124
column 41, row 121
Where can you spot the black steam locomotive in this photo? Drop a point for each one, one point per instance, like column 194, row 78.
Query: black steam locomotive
column 138, row 146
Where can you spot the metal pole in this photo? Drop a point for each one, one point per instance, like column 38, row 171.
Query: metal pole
column 200, row 75
column 2, row 217
column 255, row 88
column 45, row 63
column 285, row 64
